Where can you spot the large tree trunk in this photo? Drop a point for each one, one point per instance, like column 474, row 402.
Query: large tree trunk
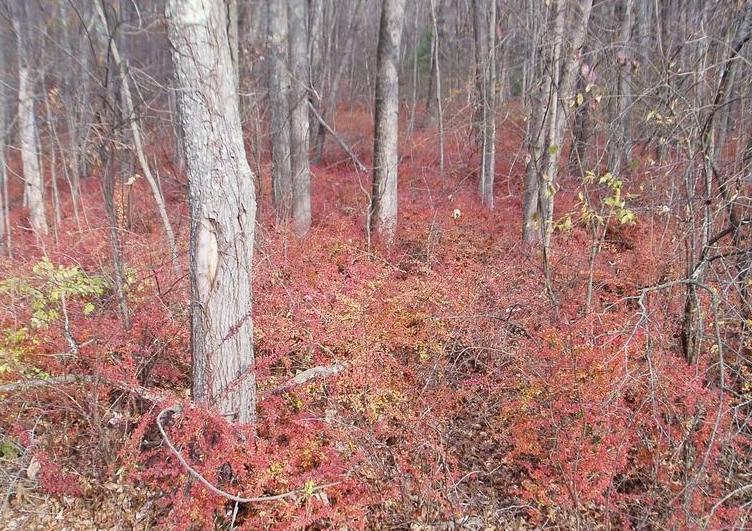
column 233, row 39
column 223, row 209
column 301, row 173
column 27, row 125
column 279, row 107
column 383, row 211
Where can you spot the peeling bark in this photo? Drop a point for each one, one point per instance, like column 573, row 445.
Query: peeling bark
column 223, row 209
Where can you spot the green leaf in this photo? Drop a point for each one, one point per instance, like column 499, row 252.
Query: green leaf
column 9, row 451
column 88, row 308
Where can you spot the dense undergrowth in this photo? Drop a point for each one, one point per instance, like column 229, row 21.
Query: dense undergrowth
column 465, row 400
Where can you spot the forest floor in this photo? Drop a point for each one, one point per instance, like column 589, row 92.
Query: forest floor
column 466, row 401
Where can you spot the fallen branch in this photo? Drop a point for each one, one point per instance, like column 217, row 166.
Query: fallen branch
column 206, row 483
column 143, row 392
column 299, row 379
column 27, row 385
column 305, row 376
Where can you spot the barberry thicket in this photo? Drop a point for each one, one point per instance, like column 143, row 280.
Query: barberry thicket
column 599, row 379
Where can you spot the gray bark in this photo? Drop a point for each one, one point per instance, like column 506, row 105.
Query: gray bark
column 223, row 209
column 551, row 118
column 315, row 55
column 333, row 92
column 436, row 76
column 433, row 96
column 383, row 211
column 27, row 125
column 279, row 107
column 4, row 225
column 485, row 39
column 620, row 146
column 299, row 126
column 232, row 35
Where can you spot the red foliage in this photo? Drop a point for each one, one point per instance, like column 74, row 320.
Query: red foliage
column 462, row 394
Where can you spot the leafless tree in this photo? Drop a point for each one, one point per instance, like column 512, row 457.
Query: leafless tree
column 299, row 127
column 27, row 130
column 484, row 27
column 279, row 106
column 569, row 22
column 223, row 209
column 5, row 228
column 383, row 210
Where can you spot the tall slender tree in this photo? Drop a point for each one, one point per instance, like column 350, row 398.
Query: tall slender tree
column 299, row 125
column 620, row 142
column 383, row 211
column 484, row 24
column 27, row 122
column 279, row 106
column 5, row 247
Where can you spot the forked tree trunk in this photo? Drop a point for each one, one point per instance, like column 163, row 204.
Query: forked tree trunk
column 383, row 211
column 550, row 118
column 223, row 209
column 279, row 107
column 299, row 126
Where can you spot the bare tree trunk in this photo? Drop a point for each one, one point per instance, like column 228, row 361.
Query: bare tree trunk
column 481, row 54
column 433, row 96
column 57, row 214
column 315, row 66
column 414, row 76
column 549, row 125
column 223, row 209
column 346, row 60
column 27, row 125
column 436, row 76
column 485, row 38
column 112, row 205
column 279, row 107
column 299, row 126
column 711, row 135
column 383, row 212
column 620, row 142
column 5, row 247
column 578, row 160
